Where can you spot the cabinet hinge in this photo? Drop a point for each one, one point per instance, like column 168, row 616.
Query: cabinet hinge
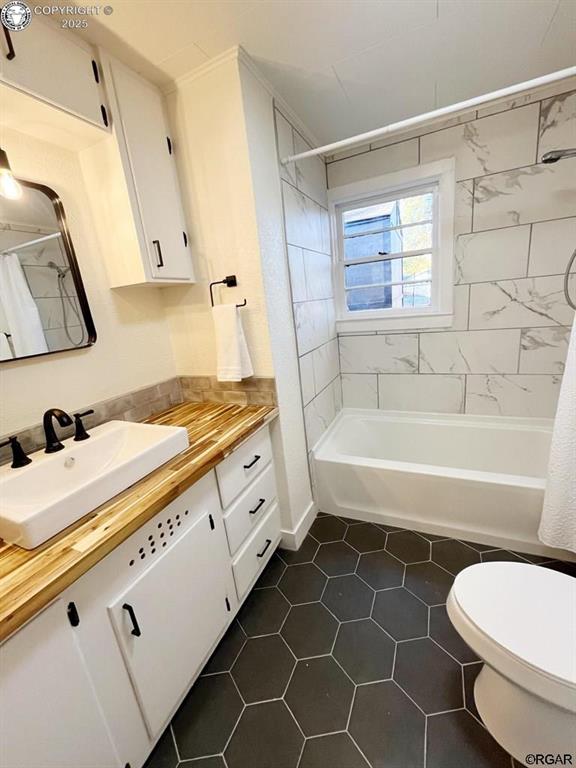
column 73, row 616
column 95, row 71
column 228, row 605
column 211, row 522
column 104, row 115
column 169, row 142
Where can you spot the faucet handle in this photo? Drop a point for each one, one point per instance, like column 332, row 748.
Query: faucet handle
column 81, row 433
column 19, row 457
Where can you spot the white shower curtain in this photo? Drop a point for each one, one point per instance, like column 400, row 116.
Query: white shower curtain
column 20, row 310
column 558, row 523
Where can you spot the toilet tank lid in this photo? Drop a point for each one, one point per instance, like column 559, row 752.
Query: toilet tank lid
column 527, row 609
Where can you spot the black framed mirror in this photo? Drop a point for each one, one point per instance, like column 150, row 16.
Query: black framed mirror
column 43, row 304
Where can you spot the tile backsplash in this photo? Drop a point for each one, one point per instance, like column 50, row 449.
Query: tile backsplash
column 515, row 225
column 142, row 403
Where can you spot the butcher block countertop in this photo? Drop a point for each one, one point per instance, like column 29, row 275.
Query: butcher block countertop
column 30, row 579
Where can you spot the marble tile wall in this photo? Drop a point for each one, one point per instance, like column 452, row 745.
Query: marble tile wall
column 515, row 226
column 304, row 193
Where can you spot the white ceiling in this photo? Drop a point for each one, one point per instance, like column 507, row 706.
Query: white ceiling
column 347, row 66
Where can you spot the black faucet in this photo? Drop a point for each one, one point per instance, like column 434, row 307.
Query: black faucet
column 53, row 444
column 19, row 458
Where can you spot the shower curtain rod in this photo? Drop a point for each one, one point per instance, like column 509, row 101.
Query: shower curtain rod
column 30, row 242
column 411, row 122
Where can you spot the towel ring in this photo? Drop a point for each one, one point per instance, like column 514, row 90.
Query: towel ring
column 229, row 281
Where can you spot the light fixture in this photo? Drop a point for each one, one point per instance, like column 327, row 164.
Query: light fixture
column 9, row 187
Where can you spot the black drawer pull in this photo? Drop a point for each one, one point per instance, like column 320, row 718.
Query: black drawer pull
column 249, row 466
column 261, row 554
column 257, row 507
column 156, row 244
column 135, row 626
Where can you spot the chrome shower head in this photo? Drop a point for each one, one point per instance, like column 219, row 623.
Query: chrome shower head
column 557, row 154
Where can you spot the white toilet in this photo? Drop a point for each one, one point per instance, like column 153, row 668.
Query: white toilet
column 521, row 621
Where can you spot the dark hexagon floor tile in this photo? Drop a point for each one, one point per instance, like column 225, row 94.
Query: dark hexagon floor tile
column 364, row 651
column 328, row 528
column 500, row 555
column 366, row 537
column 164, row 753
column 348, row 598
column 336, row 558
column 227, row 650
column 388, row 727
column 334, row 751
column 310, row 630
column 263, row 612
column 263, row 668
column 207, row 717
column 302, row 583
column 408, row 546
column 266, row 737
column 535, row 559
column 428, row 675
column 380, row 570
column 479, row 547
column 401, row 614
column 442, row 630
column 216, row 761
column 305, row 554
column 471, row 672
column 432, row 536
column 457, row 739
column 429, row 582
column 387, row 528
column 562, row 567
column 271, row 575
column 319, row 696
column 453, row 555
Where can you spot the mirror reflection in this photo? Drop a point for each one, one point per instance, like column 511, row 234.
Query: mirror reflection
column 43, row 306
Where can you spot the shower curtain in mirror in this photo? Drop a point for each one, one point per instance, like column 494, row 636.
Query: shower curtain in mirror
column 20, row 312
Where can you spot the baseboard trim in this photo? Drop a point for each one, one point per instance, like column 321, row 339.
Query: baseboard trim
column 294, row 538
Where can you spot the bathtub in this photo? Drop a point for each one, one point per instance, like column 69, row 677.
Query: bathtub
column 479, row 478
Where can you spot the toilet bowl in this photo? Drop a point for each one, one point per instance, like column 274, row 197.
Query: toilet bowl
column 520, row 619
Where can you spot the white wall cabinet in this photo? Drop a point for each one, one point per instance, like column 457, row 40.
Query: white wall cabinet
column 166, row 622
column 49, row 713
column 56, row 67
column 141, row 129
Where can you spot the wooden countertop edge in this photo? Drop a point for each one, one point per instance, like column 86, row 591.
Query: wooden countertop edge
column 27, row 604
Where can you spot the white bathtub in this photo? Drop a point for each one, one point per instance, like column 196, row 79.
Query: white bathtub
column 479, row 478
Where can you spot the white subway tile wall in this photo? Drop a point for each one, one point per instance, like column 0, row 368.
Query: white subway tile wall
column 515, row 227
column 307, row 225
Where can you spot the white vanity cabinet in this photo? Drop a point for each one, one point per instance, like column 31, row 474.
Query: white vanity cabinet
column 167, row 621
column 50, row 715
column 147, row 153
column 93, row 680
column 55, row 66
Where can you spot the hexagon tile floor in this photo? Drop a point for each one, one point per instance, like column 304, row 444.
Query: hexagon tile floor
column 343, row 656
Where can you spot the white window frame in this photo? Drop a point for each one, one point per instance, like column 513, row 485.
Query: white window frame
column 439, row 314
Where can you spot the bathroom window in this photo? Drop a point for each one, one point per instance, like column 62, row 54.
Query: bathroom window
column 394, row 238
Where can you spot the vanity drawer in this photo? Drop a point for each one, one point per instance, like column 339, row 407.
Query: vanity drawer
column 247, row 511
column 237, row 471
column 256, row 552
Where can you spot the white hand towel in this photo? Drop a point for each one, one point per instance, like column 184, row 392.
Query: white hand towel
column 558, row 522
column 233, row 357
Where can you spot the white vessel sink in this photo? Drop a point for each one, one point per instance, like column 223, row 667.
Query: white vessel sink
column 55, row 490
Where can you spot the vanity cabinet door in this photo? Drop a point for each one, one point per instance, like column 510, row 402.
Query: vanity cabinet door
column 54, row 66
column 142, row 131
column 169, row 619
column 49, row 713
